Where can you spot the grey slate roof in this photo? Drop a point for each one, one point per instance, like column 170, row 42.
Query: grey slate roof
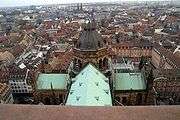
column 90, row 39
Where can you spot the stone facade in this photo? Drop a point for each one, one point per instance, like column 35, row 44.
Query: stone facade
column 98, row 58
column 132, row 51
column 90, row 48
column 167, row 89
column 130, row 97
column 50, row 97
column 5, row 94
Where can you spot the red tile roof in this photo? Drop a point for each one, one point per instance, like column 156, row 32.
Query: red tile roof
column 3, row 88
column 3, row 38
column 63, row 61
column 168, row 54
column 32, row 112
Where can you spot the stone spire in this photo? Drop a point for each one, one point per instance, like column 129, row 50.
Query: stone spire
column 90, row 39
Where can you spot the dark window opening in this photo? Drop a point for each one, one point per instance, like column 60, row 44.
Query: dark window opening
column 124, row 100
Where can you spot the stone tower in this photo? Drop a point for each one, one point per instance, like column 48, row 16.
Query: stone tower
column 90, row 48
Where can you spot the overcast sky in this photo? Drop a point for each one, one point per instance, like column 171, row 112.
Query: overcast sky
column 5, row 3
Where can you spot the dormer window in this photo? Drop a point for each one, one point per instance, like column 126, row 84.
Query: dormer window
column 77, row 98
column 99, row 45
column 97, row 98
column 106, row 91
column 80, row 84
column 97, row 84
column 71, row 92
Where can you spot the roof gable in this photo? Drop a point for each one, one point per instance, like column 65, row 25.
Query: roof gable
column 90, row 89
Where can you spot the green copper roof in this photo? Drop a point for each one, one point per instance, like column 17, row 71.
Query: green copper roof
column 129, row 81
column 90, row 88
column 49, row 81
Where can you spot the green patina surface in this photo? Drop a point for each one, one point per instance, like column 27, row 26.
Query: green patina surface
column 129, row 81
column 90, row 89
column 58, row 81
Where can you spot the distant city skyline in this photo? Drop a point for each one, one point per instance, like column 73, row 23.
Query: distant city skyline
column 11, row 3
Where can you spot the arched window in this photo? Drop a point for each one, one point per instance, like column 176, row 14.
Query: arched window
column 61, row 98
column 100, row 63
column 105, row 42
column 79, row 45
column 75, row 62
column 99, row 44
column 47, row 101
column 124, row 100
column 105, row 62
column 79, row 63
column 139, row 98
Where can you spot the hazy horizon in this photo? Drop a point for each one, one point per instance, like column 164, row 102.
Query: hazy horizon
column 13, row 3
